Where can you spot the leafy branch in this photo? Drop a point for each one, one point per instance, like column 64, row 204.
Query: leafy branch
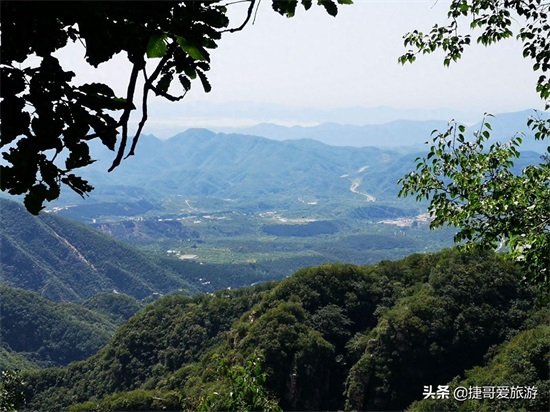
column 494, row 18
column 472, row 187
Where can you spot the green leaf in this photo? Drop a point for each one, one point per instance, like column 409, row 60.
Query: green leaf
column 78, row 184
column 35, row 198
column 185, row 82
column 98, row 89
column 286, row 7
column 190, row 71
column 79, row 156
column 194, row 51
column 156, row 47
column 98, row 96
column 307, row 4
column 164, row 82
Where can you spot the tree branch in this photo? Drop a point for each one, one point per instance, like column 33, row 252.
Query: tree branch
column 149, row 86
column 143, row 117
column 167, row 96
column 126, row 115
column 248, row 16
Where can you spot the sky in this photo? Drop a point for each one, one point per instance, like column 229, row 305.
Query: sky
column 314, row 68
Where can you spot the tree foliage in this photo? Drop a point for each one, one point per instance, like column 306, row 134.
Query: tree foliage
column 242, row 386
column 48, row 120
column 469, row 182
column 11, row 393
column 471, row 185
column 47, row 333
column 495, row 18
column 522, row 361
column 330, row 337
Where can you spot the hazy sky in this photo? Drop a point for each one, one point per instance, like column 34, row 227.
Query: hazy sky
column 316, row 61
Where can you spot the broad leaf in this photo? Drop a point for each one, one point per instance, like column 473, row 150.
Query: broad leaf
column 194, row 51
column 156, row 47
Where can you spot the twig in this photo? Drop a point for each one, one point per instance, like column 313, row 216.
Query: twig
column 125, row 116
column 248, row 16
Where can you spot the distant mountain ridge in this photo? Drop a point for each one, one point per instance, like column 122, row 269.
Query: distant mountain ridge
column 201, row 163
column 409, row 134
column 231, row 117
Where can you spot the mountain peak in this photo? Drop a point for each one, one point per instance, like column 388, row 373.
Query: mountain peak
column 194, row 133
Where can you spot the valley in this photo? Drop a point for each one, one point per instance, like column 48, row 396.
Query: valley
column 297, row 249
column 273, row 243
column 250, row 209
column 245, row 209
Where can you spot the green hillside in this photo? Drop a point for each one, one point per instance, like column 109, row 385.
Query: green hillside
column 37, row 331
column 67, row 261
column 331, row 337
column 244, row 168
column 520, row 363
column 116, row 307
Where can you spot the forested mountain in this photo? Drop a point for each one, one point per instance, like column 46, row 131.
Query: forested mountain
column 46, row 333
column 64, row 260
column 524, row 358
column 396, row 134
column 331, row 337
column 242, row 168
column 199, row 162
column 118, row 308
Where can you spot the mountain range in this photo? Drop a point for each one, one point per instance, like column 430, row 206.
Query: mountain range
column 201, row 163
column 168, row 119
column 332, row 337
column 404, row 134
column 267, row 161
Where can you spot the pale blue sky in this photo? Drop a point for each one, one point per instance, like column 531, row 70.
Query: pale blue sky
column 316, row 61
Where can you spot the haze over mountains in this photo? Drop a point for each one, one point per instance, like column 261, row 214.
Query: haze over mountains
column 199, row 162
column 314, row 162
column 405, row 133
column 210, row 212
column 167, row 120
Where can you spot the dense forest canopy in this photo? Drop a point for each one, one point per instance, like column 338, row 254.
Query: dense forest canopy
column 332, row 337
